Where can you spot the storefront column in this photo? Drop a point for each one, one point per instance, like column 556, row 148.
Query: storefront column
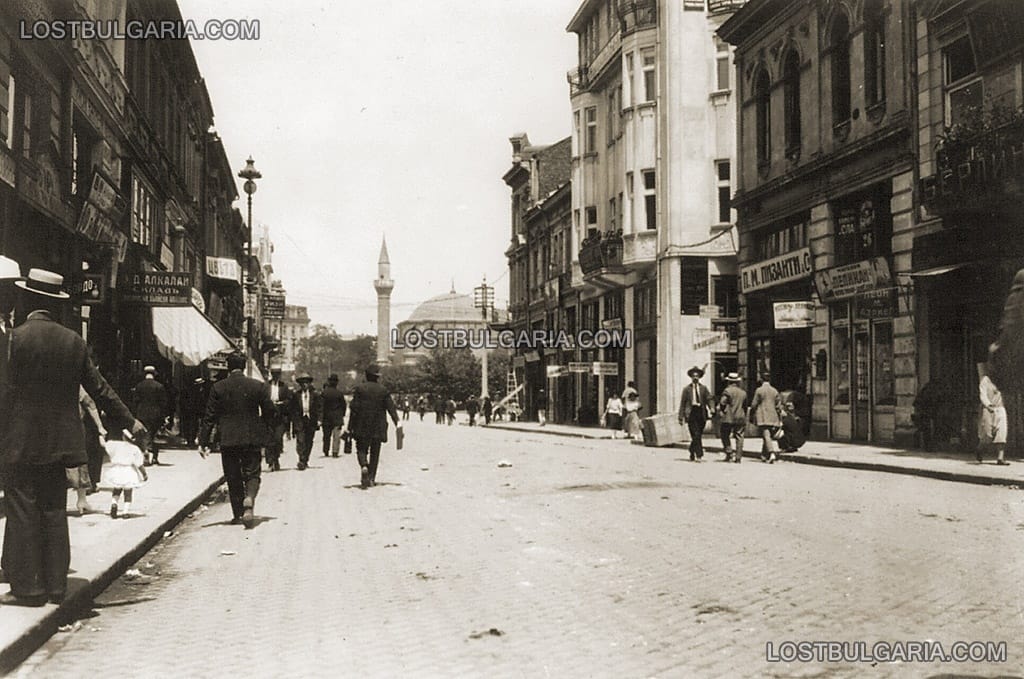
column 819, row 234
column 905, row 331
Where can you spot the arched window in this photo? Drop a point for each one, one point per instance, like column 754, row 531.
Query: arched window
column 762, row 104
column 840, row 69
column 874, row 52
column 791, row 98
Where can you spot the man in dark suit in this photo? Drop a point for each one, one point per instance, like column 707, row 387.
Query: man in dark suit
column 42, row 436
column 149, row 399
column 368, row 424
column 305, row 411
column 694, row 410
column 281, row 396
column 241, row 409
column 193, row 407
column 334, row 415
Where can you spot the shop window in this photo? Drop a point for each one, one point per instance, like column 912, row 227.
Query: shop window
column 885, row 382
column 863, row 229
column 841, row 372
column 840, row 69
column 761, row 357
column 874, row 51
column 964, row 88
column 725, row 293
column 694, row 283
column 762, row 108
column 644, row 305
column 791, row 100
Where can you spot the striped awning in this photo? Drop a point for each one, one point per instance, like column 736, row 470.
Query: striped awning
column 184, row 334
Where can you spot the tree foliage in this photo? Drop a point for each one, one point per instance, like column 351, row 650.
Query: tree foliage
column 452, row 373
column 498, row 363
column 325, row 352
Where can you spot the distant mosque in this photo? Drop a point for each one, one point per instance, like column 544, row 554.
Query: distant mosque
column 449, row 311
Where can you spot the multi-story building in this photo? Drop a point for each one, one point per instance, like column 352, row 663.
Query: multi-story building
column 825, row 209
column 294, row 329
column 970, row 143
column 653, row 248
column 540, row 294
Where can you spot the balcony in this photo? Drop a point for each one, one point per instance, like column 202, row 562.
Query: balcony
column 600, row 260
column 724, row 6
column 640, row 250
column 637, row 14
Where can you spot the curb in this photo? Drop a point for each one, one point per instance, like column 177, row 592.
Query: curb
column 550, row 432
column 39, row 633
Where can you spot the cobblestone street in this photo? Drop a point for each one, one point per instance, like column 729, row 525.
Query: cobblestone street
column 585, row 558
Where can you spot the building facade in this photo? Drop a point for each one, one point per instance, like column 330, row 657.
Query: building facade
column 970, row 143
column 653, row 246
column 826, row 210
column 294, row 329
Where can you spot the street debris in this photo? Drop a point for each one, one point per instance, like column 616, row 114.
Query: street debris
column 392, row 545
column 494, row 632
column 228, row 552
column 132, row 573
column 71, row 628
column 424, row 468
column 504, row 463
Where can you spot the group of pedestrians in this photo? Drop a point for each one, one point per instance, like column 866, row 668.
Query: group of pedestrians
column 777, row 425
column 622, row 412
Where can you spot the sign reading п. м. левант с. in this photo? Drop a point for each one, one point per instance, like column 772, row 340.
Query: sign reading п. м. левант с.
column 782, row 269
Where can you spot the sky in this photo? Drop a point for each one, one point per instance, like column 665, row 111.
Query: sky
column 386, row 118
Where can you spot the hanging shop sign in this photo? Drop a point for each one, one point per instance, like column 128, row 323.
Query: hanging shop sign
column 604, row 368
column 224, row 268
column 775, row 271
column 793, row 315
column 710, row 311
column 849, row 280
column 92, row 288
column 518, row 361
column 876, row 304
column 532, row 356
column 557, row 370
column 273, row 305
column 705, row 339
column 575, row 367
column 159, row 288
column 612, row 324
column 198, row 301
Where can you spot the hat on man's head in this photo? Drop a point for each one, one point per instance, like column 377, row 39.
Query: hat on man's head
column 699, row 372
column 44, row 282
column 9, row 269
column 333, row 378
column 149, row 369
column 304, row 377
column 733, row 377
column 373, row 369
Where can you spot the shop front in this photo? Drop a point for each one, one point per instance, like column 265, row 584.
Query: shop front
column 780, row 319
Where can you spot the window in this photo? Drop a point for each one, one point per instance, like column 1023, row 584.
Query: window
column 840, row 69
column 780, row 239
column 762, row 108
column 644, row 310
column 576, row 130
column 721, row 64
column 964, row 91
column 650, row 75
column 791, row 100
column 26, row 124
column 694, row 283
column 885, row 381
column 591, row 218
column 841, row 373
column 726, row 295
column 622, row 220
column 144, row 212
column 613, row 115
column 723, row 172
column 863, row 228
column 7, row 111
column 629, row 79
column 614, row 304
column 650, row 199
column 591, row 118
column 613, row 213
column 874, row 52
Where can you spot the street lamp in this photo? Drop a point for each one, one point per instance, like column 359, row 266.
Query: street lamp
column 250, row 174
column 483, row 299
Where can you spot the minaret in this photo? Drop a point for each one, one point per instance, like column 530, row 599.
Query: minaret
column 384, row 285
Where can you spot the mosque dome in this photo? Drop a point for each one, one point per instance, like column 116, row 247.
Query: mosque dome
column 447, row 308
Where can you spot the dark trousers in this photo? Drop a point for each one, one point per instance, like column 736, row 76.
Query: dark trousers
column 304, row 433
column 153, row 426
column 472, row 419
column 37, row 549
column 487, row 417
column 93, row 449
column 332, row 438
column 276, row 444
column 368, row 452
column 241, row 465
column 439, row 418
column 189, row 426
column 695, row 421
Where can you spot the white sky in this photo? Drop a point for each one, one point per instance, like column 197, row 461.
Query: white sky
column 387, row 116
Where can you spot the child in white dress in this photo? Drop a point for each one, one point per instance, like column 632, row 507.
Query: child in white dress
column 125, row 471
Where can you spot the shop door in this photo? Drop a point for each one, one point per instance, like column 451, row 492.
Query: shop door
column 644, row 381
column 861, row 382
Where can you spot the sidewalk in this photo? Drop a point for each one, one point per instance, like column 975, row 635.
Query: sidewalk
column 102, row 548
column 946, row 466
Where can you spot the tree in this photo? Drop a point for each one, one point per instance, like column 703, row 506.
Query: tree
column 325, row 352
column 452, row 373
column 498, row 363
column 402, row 379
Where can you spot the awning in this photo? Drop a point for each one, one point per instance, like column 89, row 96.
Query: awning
column 938, row 270
column 184, row 334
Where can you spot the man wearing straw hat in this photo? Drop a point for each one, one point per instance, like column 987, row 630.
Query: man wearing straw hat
column 694, row 410
column 150, row 404
column 732, row 406
column 42, row 436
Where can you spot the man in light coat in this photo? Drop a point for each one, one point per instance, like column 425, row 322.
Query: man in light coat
column 733, row 408
column 764, row 408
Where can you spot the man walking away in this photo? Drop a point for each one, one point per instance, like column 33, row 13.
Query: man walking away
column 241, row 409
column 440, row 408
column 193, row 407
column 334, row 415
column 150, row 401
column 281, row 397
column 306, row 409
column 405, row 408
column 472, row 407
column 42, row 435
column 368, row 424
column 487, row 408
column 694, row 407
column 449, row 411
column 542, row 407
column 733, row 423
column 765, row 411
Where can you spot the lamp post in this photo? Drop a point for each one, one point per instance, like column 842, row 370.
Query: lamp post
column 483, row 299
column 250, row 174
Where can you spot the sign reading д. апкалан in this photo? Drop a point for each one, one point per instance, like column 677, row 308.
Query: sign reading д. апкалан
column 159, row 288
column 775, row 271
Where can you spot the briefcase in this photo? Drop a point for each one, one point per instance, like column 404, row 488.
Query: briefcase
column 348, row 442
column 399, row 438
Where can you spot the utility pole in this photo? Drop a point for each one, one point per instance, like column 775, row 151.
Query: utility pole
column 483, row 299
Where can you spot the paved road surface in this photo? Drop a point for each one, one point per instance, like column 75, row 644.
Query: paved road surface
column 585, row 558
